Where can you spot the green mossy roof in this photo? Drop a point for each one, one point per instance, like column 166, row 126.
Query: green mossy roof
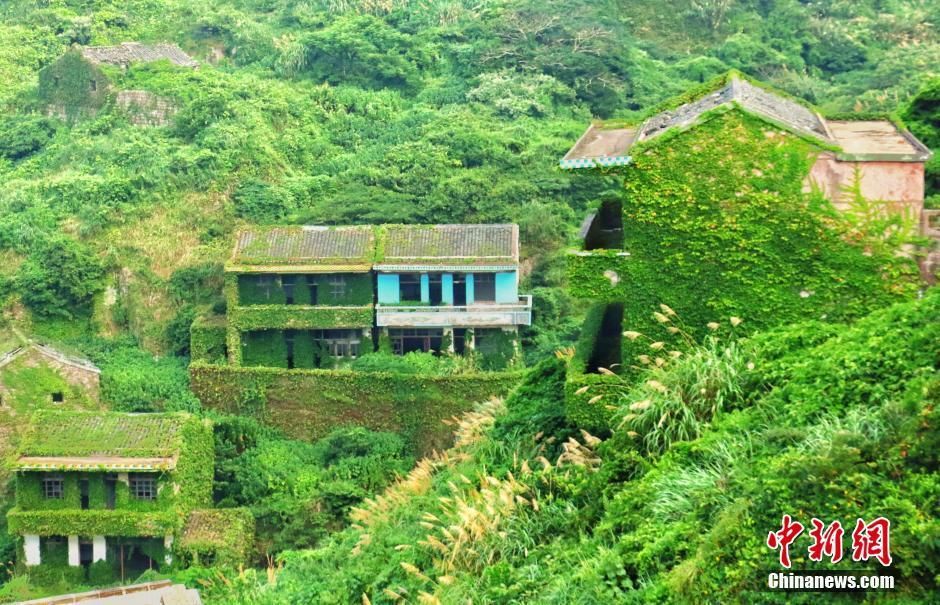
column 105, row 434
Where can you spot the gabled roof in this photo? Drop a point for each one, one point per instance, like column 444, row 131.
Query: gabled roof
column 304, row 248
column 134, row 52
column 600, row 146
column 450, row 245
column 50, row 353
column 56, row 440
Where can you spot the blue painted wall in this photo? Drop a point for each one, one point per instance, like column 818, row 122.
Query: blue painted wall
column 388, row 288
column 470, row 293
column 507, row 290
column 425, row 288
column 447, row 288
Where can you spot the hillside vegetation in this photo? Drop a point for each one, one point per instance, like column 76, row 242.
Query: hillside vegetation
column 113, row 237
column 808, row 420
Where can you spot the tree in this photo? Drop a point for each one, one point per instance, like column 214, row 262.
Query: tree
column 59, row 278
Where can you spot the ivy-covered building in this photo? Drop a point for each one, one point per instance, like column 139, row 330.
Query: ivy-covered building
column 82, row 81
column 310, row 297
column 738, row 200
column 108, row 487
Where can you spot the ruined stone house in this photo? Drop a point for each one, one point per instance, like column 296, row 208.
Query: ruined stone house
column 82, row 81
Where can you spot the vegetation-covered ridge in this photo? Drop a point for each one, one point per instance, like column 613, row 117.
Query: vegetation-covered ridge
column 831, row 421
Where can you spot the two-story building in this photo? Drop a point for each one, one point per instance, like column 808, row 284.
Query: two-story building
column 449, row 286
column 106, row 486
column 311, row 297
column 300, row 297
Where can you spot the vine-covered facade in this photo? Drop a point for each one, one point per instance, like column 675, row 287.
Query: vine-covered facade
column 108, row 489
column 739, row 201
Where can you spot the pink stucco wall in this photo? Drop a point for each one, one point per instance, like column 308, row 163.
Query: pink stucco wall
column 898, row 182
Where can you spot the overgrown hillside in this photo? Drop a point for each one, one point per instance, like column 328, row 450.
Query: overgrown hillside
column 351, row 112
column 831, row 421
column 113, row 236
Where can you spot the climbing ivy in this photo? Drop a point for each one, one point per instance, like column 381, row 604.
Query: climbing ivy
column 307, row 404
column 67, row 85
column 260, row 317
column 717, row 224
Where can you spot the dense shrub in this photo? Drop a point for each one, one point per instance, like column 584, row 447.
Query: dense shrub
column 59, row 278
column 21, row 137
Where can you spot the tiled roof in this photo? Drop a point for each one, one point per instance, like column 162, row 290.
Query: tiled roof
column 135, row 52
column 460, row 243
column 611, row 146
column 305, row 245
column 114, row 436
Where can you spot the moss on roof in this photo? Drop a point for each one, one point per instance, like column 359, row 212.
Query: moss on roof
column 57, row 433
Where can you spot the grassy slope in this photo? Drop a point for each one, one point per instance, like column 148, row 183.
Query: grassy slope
column 834, row 423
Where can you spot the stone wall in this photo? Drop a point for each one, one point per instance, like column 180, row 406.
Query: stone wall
column 145, row 108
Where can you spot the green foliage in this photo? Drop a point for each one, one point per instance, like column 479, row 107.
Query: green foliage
column 360, row 50
column 133, row 380
column 776, row 257
column 922, row 115
column 298, row 317
column 308, row 404
column 21, row 137
column 207, row 339
column 59, row 278
column 223, row 537
column 807, row 430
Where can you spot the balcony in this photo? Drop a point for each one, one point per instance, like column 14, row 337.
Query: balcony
column 478, row 314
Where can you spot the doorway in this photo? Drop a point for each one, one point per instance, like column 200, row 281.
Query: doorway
column 83, row 491
column 460, row 290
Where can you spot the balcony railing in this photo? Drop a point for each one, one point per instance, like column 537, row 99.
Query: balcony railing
column 477, row 314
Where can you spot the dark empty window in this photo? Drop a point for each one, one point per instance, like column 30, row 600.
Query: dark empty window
column 94, row 85
column 409, row 285
column 290, row 337
column 58, row 397
column 143, row 487
column 484, row 287
column 339, row 343
column 406, row 340
column 288, row 281
column 53, row 488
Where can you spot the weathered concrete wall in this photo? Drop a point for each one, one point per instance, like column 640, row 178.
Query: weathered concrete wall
column 900, row 183
column 146, row 108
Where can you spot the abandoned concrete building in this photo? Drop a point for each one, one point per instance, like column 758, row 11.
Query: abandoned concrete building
column 877, row 158
column 106, row 486
column 32, row 373
column 82, row 81
column 309, row 297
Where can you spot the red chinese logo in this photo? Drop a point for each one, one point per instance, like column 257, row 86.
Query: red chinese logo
column 827, row 541
column 784, row 538
column 872, row 540
column 869, row 540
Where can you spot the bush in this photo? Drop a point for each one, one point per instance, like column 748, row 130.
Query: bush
column 101, row 573
column 59, row 278
column 21, row 137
